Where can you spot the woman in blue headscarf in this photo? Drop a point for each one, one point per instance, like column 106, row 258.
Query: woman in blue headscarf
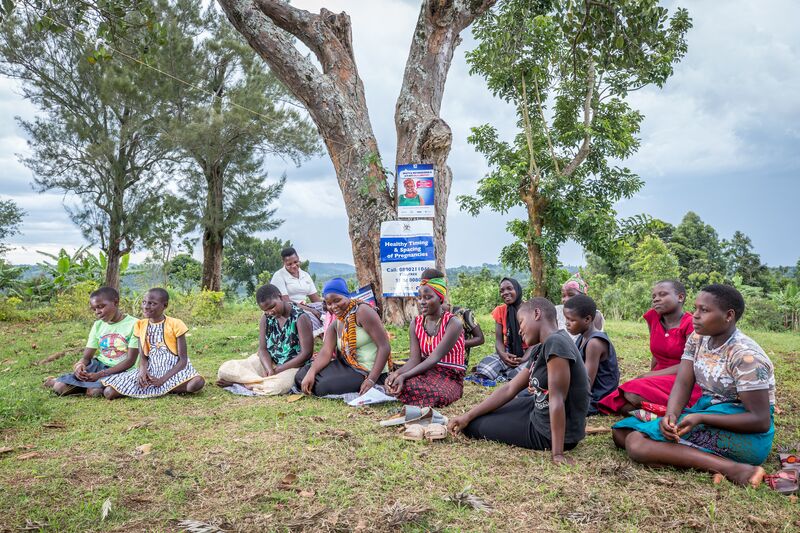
column 355, row 354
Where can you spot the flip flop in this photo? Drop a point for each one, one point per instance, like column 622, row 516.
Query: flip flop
column 784, row 481
column 432, row 416
column 407, row 415
column 414, row 432
column 435, row 432
column 789, row 461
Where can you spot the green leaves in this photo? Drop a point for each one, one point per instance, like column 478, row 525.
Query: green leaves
column 567, row 67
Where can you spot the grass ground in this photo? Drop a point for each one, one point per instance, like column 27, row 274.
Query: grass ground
column 270, row 464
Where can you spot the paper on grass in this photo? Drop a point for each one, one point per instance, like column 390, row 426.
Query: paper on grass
column 373, row 395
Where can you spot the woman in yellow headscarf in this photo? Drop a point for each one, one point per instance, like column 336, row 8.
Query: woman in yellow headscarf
column 434, row 373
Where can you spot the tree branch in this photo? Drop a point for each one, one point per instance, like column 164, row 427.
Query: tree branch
column 583, row 151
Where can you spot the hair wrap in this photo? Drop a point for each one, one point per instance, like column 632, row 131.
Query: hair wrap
column 437, row 285
column 578, row 283
column 336, row 286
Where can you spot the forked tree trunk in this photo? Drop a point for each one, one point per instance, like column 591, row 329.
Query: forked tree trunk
column 334, row 97
column 212, row 261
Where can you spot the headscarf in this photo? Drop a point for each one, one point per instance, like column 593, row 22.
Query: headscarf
column 576, row 282
column 348, row 335
column 437, row 285
column 336, row 286
column 513, row 336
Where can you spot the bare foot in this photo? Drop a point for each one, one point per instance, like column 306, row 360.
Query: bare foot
column 49, row 382
column 747, row 475
column 222, row 383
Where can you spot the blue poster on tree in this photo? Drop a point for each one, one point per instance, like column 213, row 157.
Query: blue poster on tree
column 415, row 193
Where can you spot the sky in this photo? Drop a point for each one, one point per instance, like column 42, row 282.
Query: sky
column 721, row 139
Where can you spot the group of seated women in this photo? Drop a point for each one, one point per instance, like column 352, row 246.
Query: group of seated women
column 706, row 403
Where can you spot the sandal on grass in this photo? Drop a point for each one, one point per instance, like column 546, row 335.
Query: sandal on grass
column 414, row 432
column 789, row 461
column 407, row 415
column 435, row 432
column 432, row 416
column 784, row 481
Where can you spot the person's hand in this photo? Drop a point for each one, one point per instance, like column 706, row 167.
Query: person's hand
column 157, row 382
column 669, row 428
column 270, row 371
column 366, row 385
column 144, row 379
column 510, row 359
column 561, row 459
column 91, row 376
column 79, row 370
column 456, row 425
column 307, row 386
column 397, row 384
column 688, row 423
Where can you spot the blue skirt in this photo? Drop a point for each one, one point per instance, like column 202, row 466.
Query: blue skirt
column 71, row 379
column 751, row 448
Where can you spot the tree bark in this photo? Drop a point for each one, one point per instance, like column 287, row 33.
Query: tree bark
column 334, row 98
column 113, row 256
column 213, row 231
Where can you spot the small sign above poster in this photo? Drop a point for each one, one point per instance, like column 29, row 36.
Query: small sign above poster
column 415, row 191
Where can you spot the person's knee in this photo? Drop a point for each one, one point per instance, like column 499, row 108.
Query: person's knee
column 61, row 388
column 618, row 436
column 637, row 446
column 195, row 384
column 110, row 393
column 633, row 399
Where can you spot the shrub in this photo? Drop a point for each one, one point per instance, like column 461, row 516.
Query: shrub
column 479, row 292
column 10, row 310
column 73, row 303
column 197, row 306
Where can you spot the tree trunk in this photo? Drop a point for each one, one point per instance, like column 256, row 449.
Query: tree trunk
column 535, row 257
column 334, row 98
column 113, row 255
column 212, row 261
column 213, row 230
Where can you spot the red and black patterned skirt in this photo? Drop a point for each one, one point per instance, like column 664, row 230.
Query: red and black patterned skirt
column 438, row 387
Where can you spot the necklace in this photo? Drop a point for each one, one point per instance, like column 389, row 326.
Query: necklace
column 435, row 327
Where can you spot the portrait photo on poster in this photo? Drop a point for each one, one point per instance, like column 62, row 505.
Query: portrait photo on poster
column 415, row 193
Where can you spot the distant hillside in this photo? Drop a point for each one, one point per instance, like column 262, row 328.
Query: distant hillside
column 330, row 270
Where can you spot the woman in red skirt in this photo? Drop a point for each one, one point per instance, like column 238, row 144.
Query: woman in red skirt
column 434, row 373
column 670, row 326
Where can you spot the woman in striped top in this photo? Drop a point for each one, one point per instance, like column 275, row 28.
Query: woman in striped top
column 434, row 373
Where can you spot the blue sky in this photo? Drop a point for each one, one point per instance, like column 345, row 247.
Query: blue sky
column 721, row 139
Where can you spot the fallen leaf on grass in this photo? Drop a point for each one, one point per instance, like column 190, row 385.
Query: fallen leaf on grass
column 54, row 425
column 6, row 369
column 195, row 526
column 294, row 397
column 105, row 509
column 7, row 362
column 336, row 433
column 34, row 525
column 305, row 521
column 6, row 449
column 287, row 481
column 398, row 514
column 140, row 424
column 759, row 521
column 792, row 498
column 34, row 345
column 465, row 499
column 143, row 449
column 29, row 455
column 307, row 493
column 318, row 419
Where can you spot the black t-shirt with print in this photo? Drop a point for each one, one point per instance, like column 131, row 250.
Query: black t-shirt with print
column 559, row 344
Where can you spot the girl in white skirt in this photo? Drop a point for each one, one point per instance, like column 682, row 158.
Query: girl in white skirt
column 164, row 366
